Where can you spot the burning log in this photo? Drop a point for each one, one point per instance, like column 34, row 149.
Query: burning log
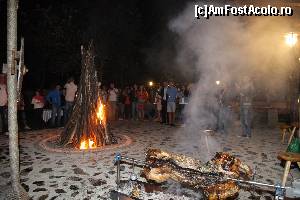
column 211, row 177
column 87, row 125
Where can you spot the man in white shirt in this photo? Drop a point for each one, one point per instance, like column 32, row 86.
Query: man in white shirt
column 71, row 89
column 3, row 106
column 112, row 101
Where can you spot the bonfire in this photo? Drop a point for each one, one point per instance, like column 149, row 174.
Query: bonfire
column 87, row 126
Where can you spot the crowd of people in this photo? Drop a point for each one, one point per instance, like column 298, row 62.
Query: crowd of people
column 142, row 102
column 163, row 103
column 59, row 100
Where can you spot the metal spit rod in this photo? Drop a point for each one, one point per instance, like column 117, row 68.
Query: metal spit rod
column 257, row 183
column 139, row 162
column 143, row 164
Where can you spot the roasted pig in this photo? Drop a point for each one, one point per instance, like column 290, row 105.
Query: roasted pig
column 209, row 177
column 228, row 189
column 178, row 159
column 231, row 166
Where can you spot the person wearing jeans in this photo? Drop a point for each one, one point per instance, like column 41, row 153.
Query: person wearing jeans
column 246, row 90
column 71, row 89
column 68, row 108
column 54, row 99
column 171, row 103
column 246, row 119
column 121, row 105
column 133, row 99
column 56, row 115
column 224, row 111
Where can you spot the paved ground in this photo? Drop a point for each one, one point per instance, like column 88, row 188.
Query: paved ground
column 92, row 175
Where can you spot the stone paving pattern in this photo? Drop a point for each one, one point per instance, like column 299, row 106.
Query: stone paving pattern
column 91, row 175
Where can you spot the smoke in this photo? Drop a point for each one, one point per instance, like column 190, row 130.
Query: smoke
column 227, row 49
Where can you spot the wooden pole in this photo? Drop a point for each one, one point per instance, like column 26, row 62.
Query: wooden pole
column 12, row 7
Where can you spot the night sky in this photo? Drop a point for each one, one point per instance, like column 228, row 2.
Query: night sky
column 128, row 36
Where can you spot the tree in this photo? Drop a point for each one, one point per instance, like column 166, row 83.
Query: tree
column 19, row 192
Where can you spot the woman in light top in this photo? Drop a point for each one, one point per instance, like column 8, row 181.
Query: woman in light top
column 38, row 102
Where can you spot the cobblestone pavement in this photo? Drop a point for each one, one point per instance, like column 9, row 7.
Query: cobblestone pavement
column 47, row 175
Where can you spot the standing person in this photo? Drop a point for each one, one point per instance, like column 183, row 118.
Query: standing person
column 171, row 103
column 3, row 107
column 163, row 94
column 158, row 105
column 246, row 90
column 189, row 91
column 70, row 93
column 54, row 98
column 127, row 103
column 186, row 93
column 103, row 94
column 142, row 96
column 149, row 109
column 22, row 114
column 38, row 102
column 112, row 101
column 224, row 111
column 181, row 103
column 121, row 105
column 133, row 99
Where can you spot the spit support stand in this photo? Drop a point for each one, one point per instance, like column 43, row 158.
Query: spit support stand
column 117, row 162
column 133, row 176
column 279, row 192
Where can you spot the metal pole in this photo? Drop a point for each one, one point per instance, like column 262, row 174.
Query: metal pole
column 118, row 163
column 118, row 174
column 12, row 7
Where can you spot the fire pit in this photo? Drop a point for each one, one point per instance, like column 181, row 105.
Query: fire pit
column 87, row 127
column 51, row 144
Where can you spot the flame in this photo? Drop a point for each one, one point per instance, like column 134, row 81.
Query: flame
column 100, row 114
column 87, row 144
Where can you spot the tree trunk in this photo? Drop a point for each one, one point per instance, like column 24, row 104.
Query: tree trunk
column 12, row 95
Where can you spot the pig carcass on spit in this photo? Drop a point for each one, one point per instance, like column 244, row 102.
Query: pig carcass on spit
column 209, row 177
